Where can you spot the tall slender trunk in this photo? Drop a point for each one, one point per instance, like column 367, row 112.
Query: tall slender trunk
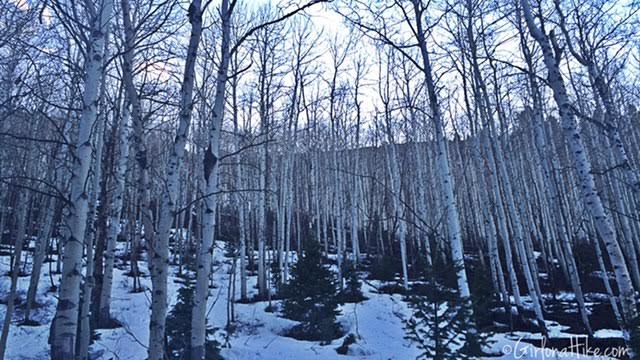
column 160, row 258
column 243, row 252
column 143, row 185
column 237, row 197
column 454, row 231
column 65, row 323
column 396, row 189
column 104, row 306
column 21, row 216
column 38, row 257
column 211, row 169
column 551, row 191
column 84, row 331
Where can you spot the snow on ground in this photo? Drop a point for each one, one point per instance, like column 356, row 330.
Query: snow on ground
column 378, row 323
column 28, row 342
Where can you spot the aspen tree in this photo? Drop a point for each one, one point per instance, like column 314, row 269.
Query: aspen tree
column 590, row 195
column 65, row 323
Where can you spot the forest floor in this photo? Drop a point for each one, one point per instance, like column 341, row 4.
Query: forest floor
column 378, row 323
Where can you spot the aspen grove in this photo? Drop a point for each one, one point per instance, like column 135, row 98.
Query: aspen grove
column 279, row 179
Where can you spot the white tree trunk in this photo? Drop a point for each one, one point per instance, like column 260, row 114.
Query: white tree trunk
column 211, row 169
column 524, row 255
column 87, row 286
column 143, row 186
column 21, row 216
column 38, row 257
column 443, row 168
column 262, row 218
column 454, row 232
column 590, row 195
column 160, row 258
column 552, row 195
column 65, row 324
column 396, row 190
column 243, row 251
column 114, row 228
column 422, row 203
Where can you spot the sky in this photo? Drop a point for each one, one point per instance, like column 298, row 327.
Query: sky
column 325, row 19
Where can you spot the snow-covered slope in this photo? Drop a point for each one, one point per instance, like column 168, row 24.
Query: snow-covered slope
column 377, row 323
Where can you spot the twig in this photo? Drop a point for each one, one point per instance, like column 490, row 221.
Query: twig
column 269, row 343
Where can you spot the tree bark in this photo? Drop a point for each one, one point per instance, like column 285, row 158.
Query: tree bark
column 21, row 217
column 211, row 170
column 65, row 323
column 590, row 195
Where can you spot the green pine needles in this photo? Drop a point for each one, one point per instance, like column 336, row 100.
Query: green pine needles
column 311, row 297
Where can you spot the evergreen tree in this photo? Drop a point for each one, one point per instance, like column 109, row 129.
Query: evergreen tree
column 385, row 268
column 311, row 298
column 440, row 319
column 230, row 248
column 178, row 330
column 436, row 324
column 276, row 278
column 351, row 292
